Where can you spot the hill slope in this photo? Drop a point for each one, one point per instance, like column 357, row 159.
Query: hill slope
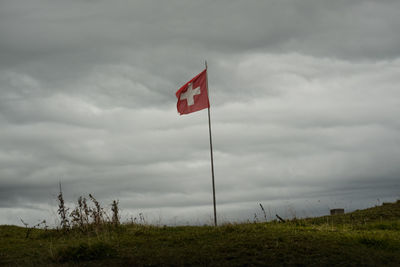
column 368, row 237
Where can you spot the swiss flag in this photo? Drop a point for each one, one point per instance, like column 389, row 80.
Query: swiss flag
column 193, row 95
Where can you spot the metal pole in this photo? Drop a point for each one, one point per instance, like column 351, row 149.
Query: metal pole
column 212, row 158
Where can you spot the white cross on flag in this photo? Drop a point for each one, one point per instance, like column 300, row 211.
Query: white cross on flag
column 193, row 95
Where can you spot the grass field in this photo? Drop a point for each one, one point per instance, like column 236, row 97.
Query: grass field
column 368, row 237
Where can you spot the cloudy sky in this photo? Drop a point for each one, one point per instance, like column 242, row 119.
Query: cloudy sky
column 305, row 104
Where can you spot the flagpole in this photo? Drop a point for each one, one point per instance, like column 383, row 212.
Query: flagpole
column 211, row 153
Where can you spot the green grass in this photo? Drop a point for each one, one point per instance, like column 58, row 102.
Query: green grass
column 368, row 237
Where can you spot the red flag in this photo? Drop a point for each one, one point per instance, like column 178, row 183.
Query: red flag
column 193, row 95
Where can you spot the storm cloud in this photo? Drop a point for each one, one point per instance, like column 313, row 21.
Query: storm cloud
column 304, row 106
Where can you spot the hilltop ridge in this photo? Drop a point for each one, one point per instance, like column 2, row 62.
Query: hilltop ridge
column 369, row 237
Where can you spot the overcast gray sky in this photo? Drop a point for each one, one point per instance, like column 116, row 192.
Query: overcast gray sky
column 305, row 104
